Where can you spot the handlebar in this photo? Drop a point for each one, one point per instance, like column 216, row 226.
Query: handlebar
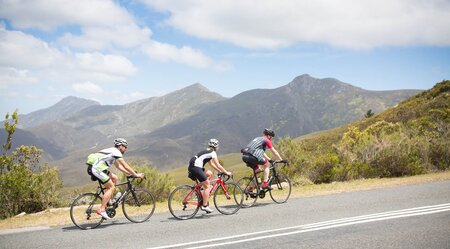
column 280, row 161
column 224, row 176
column 131, row 178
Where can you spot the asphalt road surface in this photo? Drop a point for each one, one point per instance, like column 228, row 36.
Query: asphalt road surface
column 415, row 216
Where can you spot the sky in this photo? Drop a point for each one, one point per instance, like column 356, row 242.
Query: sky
column 117, row 52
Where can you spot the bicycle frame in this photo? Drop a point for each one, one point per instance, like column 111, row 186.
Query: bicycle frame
column 101, row 191
column 272, row 174
column 197, row 188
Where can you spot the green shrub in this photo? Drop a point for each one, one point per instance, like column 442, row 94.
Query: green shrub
column 323, row 169
column 25, row 186
column 160, row 184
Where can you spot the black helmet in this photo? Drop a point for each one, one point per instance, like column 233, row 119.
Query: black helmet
column 269, row 132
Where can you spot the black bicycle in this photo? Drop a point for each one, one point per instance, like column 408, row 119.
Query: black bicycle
column 138, row 205
column 280, row 183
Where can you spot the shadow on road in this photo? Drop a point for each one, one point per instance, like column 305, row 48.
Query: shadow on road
column 102, row 226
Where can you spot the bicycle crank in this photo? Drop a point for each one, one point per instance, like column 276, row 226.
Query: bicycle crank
column 111, row 212
column 262, row 194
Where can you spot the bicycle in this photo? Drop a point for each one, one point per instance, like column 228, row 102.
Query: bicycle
column 185, row 200
column 280, row 183
column 138, row 205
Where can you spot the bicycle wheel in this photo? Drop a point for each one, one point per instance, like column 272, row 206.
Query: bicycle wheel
column 83, row 211
column 229, row 200
column 138, row 205
column 184, row 202
column 249, row 190
column 281, row 188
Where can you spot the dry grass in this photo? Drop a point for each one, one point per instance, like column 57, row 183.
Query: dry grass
column 61, row 216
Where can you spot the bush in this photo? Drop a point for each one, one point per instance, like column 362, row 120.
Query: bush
column 25, row 186
column 322, row 171
column 159, row 184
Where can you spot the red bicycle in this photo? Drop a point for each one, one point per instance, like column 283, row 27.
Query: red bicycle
column 185, row 201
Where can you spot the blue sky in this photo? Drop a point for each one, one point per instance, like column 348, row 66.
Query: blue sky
column 117, row 52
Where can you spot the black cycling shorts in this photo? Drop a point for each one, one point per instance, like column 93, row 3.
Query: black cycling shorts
column 252, row 161
column 198, row 173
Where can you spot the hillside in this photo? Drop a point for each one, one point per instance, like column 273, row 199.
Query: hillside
column 168, row 129
column 411, row 138
column 303, row 106
column 61, row 110
column 424, row 106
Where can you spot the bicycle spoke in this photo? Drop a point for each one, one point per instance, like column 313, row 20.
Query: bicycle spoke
column 228, row 200
column 83, row 211
column 138, row 205
column 249, row 190
column 184, row 202
column 281, row 188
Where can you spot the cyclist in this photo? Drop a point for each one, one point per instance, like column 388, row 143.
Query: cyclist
column 254, row 154
column 196, row 169
column 98, row 167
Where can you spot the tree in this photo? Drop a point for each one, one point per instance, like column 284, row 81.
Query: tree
column 369, row 113
column 26, row 186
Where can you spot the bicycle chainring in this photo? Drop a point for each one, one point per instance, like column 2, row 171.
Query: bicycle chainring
column 111, row 212
column 262, row 194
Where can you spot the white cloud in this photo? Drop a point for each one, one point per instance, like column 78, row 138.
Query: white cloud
column 113, row 65
column 104, row 26
column 346, row 23
column 13, row 76
column 49, row 14
column 87, row 87
column 18, row 49
column 185, row 55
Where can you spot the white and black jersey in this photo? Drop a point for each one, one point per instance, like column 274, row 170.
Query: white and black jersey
column 202, row 158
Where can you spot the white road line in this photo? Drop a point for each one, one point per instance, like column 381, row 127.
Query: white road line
column 319, row 226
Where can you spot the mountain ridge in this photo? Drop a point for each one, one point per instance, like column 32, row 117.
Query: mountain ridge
column 167, row 129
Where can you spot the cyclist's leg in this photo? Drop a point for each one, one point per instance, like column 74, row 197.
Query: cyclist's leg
column 109, row 191
column 113, row 177
column 266, row 171
column 202, row 177
column 107, row 183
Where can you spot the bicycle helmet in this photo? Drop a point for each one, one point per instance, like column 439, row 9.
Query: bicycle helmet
column 269, row 132
column 213, row 143
column 120, row 141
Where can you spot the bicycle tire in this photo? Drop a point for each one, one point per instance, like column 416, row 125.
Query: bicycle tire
column 83, row 211
column 281, row 188
column 138, row 205
column 184, row 202
column 229, row 200
column 249, row 190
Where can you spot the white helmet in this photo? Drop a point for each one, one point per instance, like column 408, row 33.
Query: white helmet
column 120, row 141
column 213, row 143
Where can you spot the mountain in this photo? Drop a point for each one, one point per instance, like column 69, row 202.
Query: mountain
column 409, row 139
column 23, row 137
column 97, row 125
column 167, row 130
column 303, row 106
column 63, row 109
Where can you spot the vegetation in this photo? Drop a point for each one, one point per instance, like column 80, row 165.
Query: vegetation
column 369, row 113
column 25, row 185
column 410, row 139
column 160, row 184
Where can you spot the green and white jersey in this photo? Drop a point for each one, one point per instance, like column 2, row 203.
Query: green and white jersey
column 103, row 159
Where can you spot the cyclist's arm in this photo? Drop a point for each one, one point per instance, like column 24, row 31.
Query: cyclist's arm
column 216, row 165
column 124, row 167
column 275, row 152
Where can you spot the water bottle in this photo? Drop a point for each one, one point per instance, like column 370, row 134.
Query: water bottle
column 117, row 196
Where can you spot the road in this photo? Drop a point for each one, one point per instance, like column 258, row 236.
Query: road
column 414, row 216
